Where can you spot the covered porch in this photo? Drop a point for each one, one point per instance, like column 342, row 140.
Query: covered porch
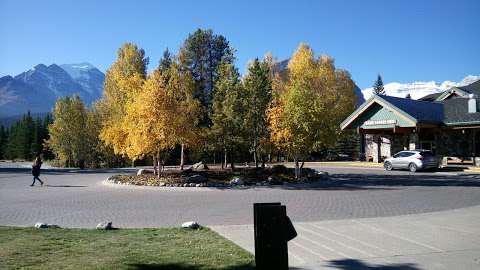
column 388, row 125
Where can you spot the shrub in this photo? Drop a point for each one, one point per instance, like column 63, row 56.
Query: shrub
column 279, row 169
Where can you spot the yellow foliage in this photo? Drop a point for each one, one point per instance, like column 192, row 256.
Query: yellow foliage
column 309, row 104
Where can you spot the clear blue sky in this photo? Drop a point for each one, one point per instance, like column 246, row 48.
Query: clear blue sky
column 403, row 40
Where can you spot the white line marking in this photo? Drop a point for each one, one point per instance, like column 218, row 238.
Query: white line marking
column 311, row 251
column 350, row 238
column 399, row 237
column 337, row 242
column 325, row 247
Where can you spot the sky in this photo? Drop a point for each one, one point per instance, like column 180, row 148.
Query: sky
column 403, row 40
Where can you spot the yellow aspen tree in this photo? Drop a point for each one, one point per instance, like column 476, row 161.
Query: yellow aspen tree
column 305, row 116
column 123, row 81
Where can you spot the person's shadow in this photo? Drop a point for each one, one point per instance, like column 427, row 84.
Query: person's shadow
column 352, row 264
column 67, row 186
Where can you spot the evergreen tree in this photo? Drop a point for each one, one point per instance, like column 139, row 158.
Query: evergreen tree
column 228, row 112
column 165, row 62
column 3, row 141
column 408, row 96
column 202, row 53
column 258, row 88
column 378, row 86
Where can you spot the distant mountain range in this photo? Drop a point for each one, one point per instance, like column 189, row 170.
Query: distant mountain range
column 419, row 89
column 37, row 89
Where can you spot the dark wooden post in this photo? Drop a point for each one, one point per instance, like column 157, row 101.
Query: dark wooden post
column 272, row 229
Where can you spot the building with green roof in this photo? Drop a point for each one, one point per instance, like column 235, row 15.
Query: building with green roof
column 447, row 123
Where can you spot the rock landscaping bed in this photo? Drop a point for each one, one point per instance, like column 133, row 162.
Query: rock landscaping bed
column 276, row 175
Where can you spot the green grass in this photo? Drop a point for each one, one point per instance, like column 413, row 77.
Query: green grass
column 166, row 248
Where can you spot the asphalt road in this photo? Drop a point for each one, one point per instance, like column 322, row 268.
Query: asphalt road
column 73, row 198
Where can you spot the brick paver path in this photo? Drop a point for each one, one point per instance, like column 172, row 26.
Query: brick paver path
column 80, row 199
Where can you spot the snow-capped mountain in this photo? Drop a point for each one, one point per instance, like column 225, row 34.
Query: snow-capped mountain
column 419, row 89
column 37, row 89
column 88, row 76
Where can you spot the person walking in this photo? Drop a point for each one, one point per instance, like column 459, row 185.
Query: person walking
column 36, row 170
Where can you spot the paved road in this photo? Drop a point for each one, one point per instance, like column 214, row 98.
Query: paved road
column 72, row 198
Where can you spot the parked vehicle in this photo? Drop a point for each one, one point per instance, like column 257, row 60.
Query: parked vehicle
column 412, row 160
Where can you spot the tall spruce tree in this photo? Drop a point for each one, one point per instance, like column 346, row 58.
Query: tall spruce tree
column 202, row 53
column 228, row 112
column 258, row 94
column 378, row 86
column 3, row 141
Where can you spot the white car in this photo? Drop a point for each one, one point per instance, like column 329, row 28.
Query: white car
column 412, row 160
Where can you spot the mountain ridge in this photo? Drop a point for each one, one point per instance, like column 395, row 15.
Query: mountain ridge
column 37, row 89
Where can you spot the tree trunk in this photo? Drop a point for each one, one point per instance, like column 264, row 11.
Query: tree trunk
column 232, row 162
column 297, row 169
column 155, row 172
column 224, row 163
column 158, row 165
column 255, row 153
column 182, row 157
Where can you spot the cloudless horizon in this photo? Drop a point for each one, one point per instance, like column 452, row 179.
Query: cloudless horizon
column 404, row 41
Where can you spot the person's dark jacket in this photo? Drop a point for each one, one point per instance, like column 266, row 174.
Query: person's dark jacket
column 36, row 169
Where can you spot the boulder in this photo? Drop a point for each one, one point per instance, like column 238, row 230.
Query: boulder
column 199, row 166
column 144, row 171
column 107, row 225
column 236, row 181
column 197, row 179
column 191, row 225
column 41, row 225
column 322, row 175
column 273, row 180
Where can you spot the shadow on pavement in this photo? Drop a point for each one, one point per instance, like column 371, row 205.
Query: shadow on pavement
column 352, row 264
column 67, row 186
column 418, row 179
column 183, row 267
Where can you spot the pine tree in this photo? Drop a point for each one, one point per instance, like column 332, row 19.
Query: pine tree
column 3, row 141
column 166, row 61
column 378, row 86
column 228, row 112
column 408, row 96
column 202, row 53
column 258, row 91
column 36, row 145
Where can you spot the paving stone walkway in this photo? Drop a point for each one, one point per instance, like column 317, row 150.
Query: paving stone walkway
column 441, row 240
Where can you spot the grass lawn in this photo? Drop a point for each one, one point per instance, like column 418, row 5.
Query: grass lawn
column 165, row 248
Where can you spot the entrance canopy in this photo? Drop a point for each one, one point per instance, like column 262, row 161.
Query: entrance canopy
column 385, row 112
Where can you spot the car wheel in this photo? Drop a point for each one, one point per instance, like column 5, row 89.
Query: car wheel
column 412, row 167
column 388, row 166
